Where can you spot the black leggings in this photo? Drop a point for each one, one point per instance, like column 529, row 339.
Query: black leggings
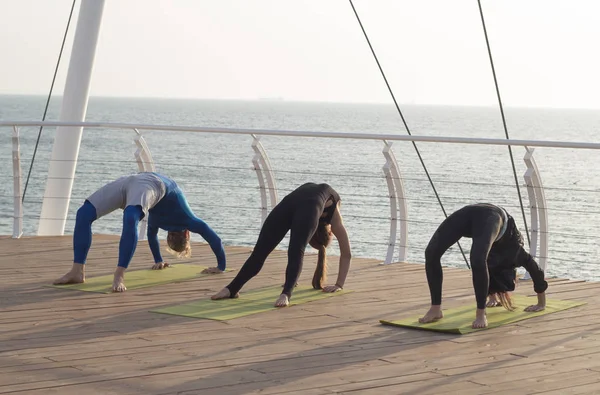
column 480, row 222
column 303, row 221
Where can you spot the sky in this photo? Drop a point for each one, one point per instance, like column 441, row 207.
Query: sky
column 432, row 51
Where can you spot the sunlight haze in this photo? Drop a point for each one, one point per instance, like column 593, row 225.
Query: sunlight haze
column 433, row 52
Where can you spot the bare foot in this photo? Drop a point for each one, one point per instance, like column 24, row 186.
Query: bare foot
column 492, row 301
column 282, row 301
column 160, row 266
column 434, row 314
column 480, row 320
column 224, row 294
column 211, row 270
column 75, row 276
column 119, row 280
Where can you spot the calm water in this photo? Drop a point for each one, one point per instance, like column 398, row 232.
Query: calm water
column 216, row 170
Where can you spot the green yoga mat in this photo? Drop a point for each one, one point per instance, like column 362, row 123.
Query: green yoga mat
column 136, row 279
column 251, row 302
column 459, row 320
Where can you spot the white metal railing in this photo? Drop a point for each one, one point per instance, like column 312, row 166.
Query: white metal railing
column 262, row 166
column 299, row 133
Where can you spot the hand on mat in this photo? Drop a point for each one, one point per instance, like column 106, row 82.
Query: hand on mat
column 541, row 304
column 160, row 266
column 331, row 288
column 492, row 301
column 211, row 270
column 534, row 308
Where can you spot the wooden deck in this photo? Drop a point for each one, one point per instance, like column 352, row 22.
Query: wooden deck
column 71, row 342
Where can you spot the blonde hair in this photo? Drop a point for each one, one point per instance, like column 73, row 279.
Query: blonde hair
column 179, row 244
column 186, row 253
column 506, row 301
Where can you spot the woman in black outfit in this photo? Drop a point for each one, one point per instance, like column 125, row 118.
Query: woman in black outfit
column 496, row 252
column 312, row 213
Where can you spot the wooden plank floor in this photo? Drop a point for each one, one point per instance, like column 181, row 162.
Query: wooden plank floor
column 71, row 342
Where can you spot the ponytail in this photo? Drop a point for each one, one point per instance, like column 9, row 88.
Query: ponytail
column 319, row 241
column 320, row 276
column 506, row 301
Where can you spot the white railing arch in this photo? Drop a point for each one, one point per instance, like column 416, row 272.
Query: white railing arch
column 144, row 160
column 266, row 181
column 537, row 210
column 398, row 210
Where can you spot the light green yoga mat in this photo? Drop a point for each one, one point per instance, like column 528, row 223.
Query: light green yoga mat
column 136, row 279
column 459, row 320
column 251, row 302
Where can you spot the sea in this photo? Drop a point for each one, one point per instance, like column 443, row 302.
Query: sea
column 217, row 174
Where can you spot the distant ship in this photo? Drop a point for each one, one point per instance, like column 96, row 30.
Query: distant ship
column 277, row 98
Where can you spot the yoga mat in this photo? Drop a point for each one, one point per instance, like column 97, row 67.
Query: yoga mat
column 136, row 279
column 459, row 320
column 251, row 302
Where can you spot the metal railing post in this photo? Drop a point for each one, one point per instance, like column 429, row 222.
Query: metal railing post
column 264, row 173
column 398, row 210
column 538, row 211
column 145, row 163
column 17, row 194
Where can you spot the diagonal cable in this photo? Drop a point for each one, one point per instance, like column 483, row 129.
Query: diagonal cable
column 48, row 100
column 512, row 161
column 405, row 124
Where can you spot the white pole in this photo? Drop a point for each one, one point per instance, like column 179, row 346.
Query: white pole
column 17, row 191
column 65, row 151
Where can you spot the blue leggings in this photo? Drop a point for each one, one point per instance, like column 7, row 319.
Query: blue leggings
column 82, row 236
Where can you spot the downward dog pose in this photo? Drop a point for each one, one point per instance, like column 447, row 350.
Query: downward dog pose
column 496, row 252
column 312, row 213
column 140, row 195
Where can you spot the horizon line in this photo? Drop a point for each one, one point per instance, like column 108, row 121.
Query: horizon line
column 284, row 100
